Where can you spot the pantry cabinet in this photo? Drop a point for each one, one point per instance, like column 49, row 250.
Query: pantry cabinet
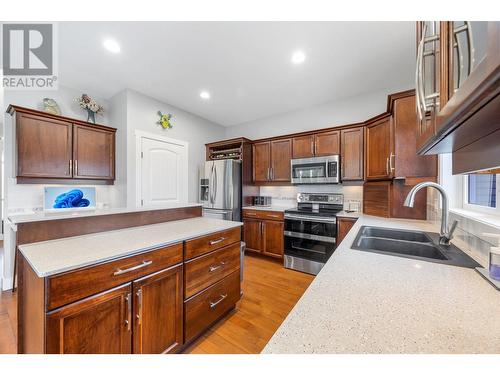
column 52, row 148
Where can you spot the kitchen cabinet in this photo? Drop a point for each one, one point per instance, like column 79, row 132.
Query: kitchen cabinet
column 352, row 154
column 144, row 303
column 319, row 144
column 95, row 325
column 344, row 225
column 52, row 148
column 158, row 305
column 379, row 149
column 273, row 238
column 264, row 232
column 459, row 97
column 393, row 165
column 271, row 161
column 44, row 147
column 93, row 153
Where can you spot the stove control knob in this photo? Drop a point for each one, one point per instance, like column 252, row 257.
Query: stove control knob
column 300, row 197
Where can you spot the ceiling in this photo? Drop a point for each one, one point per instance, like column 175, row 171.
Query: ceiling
column 246, row 66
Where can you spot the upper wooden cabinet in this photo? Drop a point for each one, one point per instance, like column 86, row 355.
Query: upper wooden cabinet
column 320, row 144
column 58, row 148
column 352, row 154
column 271, row 161
column 458, row 68
column 44, row 147
column 379, row 149
column 93, row 153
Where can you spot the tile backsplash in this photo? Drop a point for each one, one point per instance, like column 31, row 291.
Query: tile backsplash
column 470, row 234
column 287, row 195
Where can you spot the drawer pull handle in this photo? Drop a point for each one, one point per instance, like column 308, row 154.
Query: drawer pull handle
column 222, row 298
column 273, row 216
column 215, row 268
column 144, row 263
column 214, row 242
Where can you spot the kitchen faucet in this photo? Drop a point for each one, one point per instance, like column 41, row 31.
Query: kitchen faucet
column 446, row 233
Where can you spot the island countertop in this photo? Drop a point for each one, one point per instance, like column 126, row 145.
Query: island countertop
column 18, row 218
column 364, row 302
column 56, row 256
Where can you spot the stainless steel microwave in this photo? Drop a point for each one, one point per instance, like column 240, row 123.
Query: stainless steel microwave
column 319, row 170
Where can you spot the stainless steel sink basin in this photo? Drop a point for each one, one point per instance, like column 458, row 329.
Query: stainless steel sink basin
column 411, row 244
column 396, row 234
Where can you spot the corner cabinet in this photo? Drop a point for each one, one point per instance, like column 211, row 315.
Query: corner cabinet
column 379, row 149
column 52, row 148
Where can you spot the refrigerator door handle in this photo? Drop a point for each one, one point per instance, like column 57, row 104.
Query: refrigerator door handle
column 215, row 183
column 211, row 187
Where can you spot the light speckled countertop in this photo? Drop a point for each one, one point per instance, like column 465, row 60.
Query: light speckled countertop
column 52, row 257
column 71, row 214
column 364, row 302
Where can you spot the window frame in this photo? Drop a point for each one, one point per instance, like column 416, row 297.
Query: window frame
column 478, row 208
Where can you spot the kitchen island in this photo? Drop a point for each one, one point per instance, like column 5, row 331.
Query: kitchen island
column 142, row 289
column 363, row 302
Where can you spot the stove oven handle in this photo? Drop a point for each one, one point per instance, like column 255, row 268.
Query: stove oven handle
column 311, row 218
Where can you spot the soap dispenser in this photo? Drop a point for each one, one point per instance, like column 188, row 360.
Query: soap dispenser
column 495, row 263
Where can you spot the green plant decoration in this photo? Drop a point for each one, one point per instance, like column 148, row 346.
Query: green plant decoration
column 164, row 120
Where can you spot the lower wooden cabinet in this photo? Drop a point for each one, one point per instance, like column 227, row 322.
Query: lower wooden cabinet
column 158, row 306
column 95, row 325
column 207, row 307
column 264, row 232
column 344, row 225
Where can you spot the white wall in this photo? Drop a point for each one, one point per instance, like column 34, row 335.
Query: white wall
column 142, row 115
column 337, row 113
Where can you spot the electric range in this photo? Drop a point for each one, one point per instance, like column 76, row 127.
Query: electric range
column 311, row 230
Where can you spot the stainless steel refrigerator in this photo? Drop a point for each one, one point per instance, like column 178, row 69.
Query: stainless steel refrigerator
column 220, row 189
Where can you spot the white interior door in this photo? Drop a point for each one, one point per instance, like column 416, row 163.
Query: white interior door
column 163, row 172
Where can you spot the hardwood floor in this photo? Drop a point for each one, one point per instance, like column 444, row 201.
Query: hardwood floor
column 269, row 293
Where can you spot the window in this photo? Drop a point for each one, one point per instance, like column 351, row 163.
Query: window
column 481, row 193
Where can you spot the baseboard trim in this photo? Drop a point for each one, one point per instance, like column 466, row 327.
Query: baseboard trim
column 6, row 283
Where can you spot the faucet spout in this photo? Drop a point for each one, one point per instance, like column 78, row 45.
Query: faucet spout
column 446, row 233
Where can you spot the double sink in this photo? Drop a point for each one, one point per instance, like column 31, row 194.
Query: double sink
column 411, row 244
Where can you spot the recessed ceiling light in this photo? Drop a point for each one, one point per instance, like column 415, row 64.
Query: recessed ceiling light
column 298, row 57
column 205, row 95
column 111, row 45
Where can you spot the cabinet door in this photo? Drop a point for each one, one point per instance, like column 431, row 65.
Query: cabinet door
column 344, row 225
column 100, row 324
column 352, row 154
column 406, row 161
column 93, row 153
column 43, row 147
column 326, row 144
column 303, row 147
column 377, row 198
column 253, row 234
column 273, row 238
column 261, row 161
column 158, row 309
column 281, row 156
column 379, row 150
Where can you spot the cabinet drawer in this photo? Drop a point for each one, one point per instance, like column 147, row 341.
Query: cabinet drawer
column 205, row 308
column 75, row 285
column 206, row 244
column 266, row 215
column 210, row 268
